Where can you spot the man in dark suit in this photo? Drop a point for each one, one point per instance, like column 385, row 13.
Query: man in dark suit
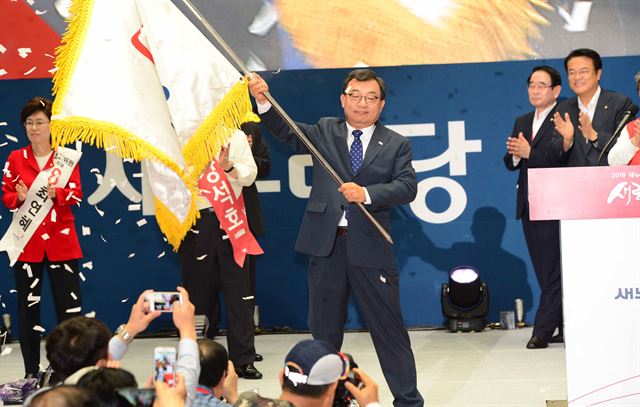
column 587, row 121
column 531, row 145
column 347, row 254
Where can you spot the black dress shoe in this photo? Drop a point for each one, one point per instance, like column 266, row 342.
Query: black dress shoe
column 536, row 343
column 248, row 371
column 258, row 358
column 557, row 339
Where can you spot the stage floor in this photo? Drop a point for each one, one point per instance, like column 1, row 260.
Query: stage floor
column 492, row 368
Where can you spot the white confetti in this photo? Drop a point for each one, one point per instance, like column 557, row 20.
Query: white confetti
column 103, row 239
column 201, row 257
column 194, row 231
column 72, row 185
column 65, row 231
column 94, row 170
column 38, row 328
column 2, row 49
column 127, row 160
column 101, row 213
column 73, row 310
column 82, row 276
column 4, row 144
column 91, row 314
column 141, row 222
column 125, row 300
column 68, row 268
column 45, row 236
column 24, row 154
column 31, row 2
column 73, row 295
column 53, row 70
column 88, row 265
column 29, row 71
column 117, row 221
column 13, row 291
column 3, row 123
column 160, row 255
column 137, row 175
column 54, row 215
column 27, row 266
column 35, row 283
column 131, row 255
column 86, row 231
column 4, row 305
column 3, row 72
column 54, row 266
column 12, row 138
column 69, row 196
column 24, row 52
column 39, row 12
column 134, row 207
column 384, row 280
column 49, row 56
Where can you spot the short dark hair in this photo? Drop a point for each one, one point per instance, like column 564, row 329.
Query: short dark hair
column 213, row 362
column 76, row 343
column 556, row 79
column 584, row 52
column 105, row 382
column 251, row 128
column 362, row 75
column 34, row 105
column 305, row 390
column 65, row 395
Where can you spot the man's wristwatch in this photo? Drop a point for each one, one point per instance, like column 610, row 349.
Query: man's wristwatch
column 230, row 169
column 123, row 334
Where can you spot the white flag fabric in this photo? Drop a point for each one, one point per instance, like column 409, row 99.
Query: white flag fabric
column 147, row 98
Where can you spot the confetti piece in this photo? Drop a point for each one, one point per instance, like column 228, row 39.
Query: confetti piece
column 3, row 305
column 137, row 175
column 94, row 170
column 134, row 207
column 55, row 266
column 3, row 72
column 73, row 310
column 24, row 52
column 29, row 71
column 68, row 268
column 128, row 160
column 53, row 70
column 103, row 239
column 384, row 280
column 101, row 213
column 73, row 295
column 77, row 199
column 72, row 185
column 125, row 300
column 69, row 196
column 65, row 231
column 15, row 140
column 39, row 13
column 2, row 49
column 13, row 291
column 117, row 221
column 38, row 328
column 54, row 215
column 195, row 231
column 45, row 236
column 82, row 276
column 35, row 283
column 27, row 267
column 88, row 265
column 31, row 2
column 201, row 257
column 141, row 222
column 4, row 144
column 160, row 255
column 91, row 314
column 250, row 297
column 131, row 255
column 24, row 154
column 86, row 231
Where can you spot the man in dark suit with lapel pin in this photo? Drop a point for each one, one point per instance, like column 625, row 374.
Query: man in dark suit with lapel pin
column 587, row 121
column 347, row 254
column 532, row 144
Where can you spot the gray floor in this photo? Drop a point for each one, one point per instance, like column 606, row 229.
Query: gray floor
column 491, row 368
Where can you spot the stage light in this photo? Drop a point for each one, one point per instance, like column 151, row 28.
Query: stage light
column 465, row 300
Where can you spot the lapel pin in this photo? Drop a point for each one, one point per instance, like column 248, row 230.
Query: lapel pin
column 606, row 107
column 380, row 142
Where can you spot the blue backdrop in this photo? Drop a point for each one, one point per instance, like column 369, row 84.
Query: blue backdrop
column 458, row 117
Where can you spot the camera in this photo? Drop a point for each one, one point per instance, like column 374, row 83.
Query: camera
column 343, row 397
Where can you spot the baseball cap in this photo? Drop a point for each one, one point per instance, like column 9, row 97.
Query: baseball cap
column 313, row 362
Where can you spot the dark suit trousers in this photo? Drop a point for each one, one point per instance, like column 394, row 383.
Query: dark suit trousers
column 331, row 280
column 63, row 283
column 543, row 241
column 218, row 272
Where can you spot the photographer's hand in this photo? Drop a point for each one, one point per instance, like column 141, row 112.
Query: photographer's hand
column 184, row 316
column 368, row 393
column 141, row 316
column 170, row 396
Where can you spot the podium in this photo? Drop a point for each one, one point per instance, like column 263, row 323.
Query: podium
column 599, row 213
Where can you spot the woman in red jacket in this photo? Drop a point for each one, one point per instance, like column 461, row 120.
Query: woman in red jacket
column 54, row 242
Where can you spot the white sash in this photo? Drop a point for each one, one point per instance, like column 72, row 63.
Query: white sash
column 37, row 204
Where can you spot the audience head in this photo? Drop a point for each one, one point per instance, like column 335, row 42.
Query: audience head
column 362, row 98
column 35, row 105
column 213, row 362
column 543, row 86
column 68, row 396
column 312, row 369
column 76, row 343
column 105, row 382
column 251, row 129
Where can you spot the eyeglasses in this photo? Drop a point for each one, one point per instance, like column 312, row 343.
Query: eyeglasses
column 538, row 86
column 356, row 98
column 582, row 72
column 35, row 124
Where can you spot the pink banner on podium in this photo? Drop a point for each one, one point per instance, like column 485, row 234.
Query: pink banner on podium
column 584, row 193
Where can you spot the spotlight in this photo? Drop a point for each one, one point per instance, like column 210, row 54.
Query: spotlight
column 465, row 300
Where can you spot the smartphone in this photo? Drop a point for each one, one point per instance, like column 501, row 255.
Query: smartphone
column 138, row 397
column 163, row 300
column 164, row 364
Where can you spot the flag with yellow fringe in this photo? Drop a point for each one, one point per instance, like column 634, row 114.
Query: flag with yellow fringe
column 136, row 78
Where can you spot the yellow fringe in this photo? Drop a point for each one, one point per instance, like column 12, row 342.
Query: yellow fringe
column 68, row 52
column 170, row 226
column 216, row 130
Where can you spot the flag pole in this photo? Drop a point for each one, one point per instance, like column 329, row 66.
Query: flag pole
column 275, row 105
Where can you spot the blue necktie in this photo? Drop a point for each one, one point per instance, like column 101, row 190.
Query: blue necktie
column 355, row 152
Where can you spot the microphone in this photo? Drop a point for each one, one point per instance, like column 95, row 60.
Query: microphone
column 626, row 118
